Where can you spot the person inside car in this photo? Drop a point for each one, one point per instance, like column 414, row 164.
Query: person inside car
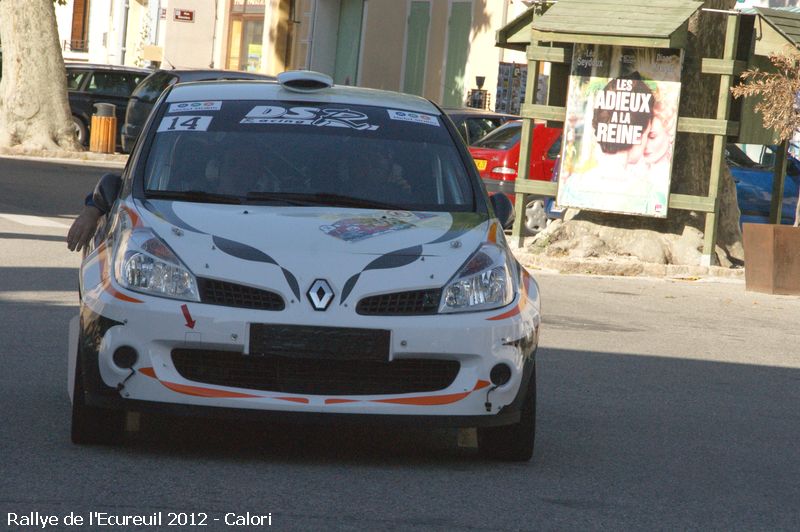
column 84, row 226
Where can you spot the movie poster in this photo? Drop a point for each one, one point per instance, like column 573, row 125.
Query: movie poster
column 619, row 133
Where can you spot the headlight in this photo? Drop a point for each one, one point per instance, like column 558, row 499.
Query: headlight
column 484, row 282
column 144, row 263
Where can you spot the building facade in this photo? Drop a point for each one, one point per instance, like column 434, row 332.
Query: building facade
column 434, row 48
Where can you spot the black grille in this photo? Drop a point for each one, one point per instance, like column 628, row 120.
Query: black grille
column 333, row 343
column 414, row 303
column 228, row 294
column 314, row 377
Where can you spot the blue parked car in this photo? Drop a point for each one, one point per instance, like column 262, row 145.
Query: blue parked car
column 753, row 186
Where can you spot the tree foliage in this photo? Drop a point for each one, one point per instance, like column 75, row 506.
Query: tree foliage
column 778, row 92
column 780, row 97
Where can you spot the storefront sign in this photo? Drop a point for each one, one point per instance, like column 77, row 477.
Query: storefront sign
column 184, row 15
column 619, row 135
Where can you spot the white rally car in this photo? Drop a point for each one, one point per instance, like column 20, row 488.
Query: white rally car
column 303, row 250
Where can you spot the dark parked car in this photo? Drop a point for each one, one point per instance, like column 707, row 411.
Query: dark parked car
column 148, row 91
column 88, row 84
column 474, row 124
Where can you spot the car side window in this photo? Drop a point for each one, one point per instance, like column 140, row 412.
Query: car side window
column 109, row 84
column 152, row 87
column 477, row 128
column 462, row 130
column 135, row 79
column 75, row 79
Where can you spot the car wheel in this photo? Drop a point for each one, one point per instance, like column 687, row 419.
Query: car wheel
column 92, row 425
column 512, row 443
column 80, row 130
column 535, row 216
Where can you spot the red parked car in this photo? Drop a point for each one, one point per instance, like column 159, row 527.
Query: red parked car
column 497, row 157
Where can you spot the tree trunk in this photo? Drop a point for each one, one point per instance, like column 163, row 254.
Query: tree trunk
column 34, row 111
column 678, row 239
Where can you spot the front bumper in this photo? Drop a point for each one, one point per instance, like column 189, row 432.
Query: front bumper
column 154, row 327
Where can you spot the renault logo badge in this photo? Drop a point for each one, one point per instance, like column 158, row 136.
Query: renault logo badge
column 320, row 294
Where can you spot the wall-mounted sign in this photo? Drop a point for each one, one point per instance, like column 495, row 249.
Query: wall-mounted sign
column 184, row 15
column 619, row 133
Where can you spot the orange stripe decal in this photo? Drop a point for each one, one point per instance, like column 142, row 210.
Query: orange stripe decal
column 339, row 401
column 135, row 221
column 105, row 276
column 302, row 400
column 513, row 312
column 433, row 400
column 197, row 391
column 492, row 237
column 481, row 385
column 150, row 372
column 119, row 295
column 430, row 400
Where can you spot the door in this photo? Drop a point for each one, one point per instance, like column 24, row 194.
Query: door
column 348, row 44
column 458, row 28
column 419, row 19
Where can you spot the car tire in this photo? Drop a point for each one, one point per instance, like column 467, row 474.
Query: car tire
column 81, row 132
column 512, row 443
column 535, row 216
column 92, row 425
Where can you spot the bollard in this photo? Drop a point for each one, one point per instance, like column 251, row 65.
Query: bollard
column 103, row 136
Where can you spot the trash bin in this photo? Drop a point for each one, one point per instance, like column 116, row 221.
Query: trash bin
column 103, row 136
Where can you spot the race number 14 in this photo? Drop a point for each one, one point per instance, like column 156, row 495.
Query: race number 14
column 184, row 123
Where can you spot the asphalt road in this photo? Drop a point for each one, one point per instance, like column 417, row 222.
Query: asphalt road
column 663, row 404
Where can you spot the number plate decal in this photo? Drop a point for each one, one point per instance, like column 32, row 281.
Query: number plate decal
column 184, row 123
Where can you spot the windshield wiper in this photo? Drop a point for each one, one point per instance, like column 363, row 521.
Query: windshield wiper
column 336, row 200
column 199, row 196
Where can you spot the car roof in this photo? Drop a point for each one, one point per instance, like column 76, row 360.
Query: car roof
column 269, row 90
column 95, row 66
column 201, row 74
column 471, row 111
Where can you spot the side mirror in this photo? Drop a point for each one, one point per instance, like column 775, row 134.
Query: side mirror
column 106, row 192
column 503, row 209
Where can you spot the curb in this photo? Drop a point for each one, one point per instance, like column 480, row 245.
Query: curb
column 67, row 157
column 625, row 267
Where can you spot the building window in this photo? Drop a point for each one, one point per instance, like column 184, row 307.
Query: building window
column 246, row 35
column 80, row 25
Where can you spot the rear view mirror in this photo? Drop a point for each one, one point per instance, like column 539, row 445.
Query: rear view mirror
column 106, row 192
column 503, row 209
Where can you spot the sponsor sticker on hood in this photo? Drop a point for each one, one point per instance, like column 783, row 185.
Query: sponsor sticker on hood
column 354, row 229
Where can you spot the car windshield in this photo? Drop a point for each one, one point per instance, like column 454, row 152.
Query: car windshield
column 285, row 153
column 502, row 138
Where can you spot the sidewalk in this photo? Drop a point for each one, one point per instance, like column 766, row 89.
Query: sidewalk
column 624, row 267
column 115, row 160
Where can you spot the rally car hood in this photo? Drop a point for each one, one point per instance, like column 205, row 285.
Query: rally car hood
column 357, row 251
